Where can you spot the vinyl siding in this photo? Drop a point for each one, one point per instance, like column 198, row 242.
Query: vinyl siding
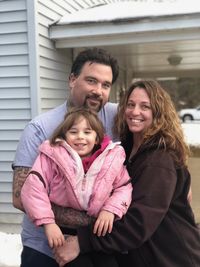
column 54, row 65
column 14, row 96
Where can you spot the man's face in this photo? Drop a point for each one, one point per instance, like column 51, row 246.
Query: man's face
column 92, row 87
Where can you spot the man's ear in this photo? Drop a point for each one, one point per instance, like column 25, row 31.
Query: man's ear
column 72, row 78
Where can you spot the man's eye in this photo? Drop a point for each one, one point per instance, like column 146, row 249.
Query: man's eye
column 106, row 86
column 91, row 81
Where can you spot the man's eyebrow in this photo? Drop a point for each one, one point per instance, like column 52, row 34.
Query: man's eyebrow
column 90, row 77
column 108, row 82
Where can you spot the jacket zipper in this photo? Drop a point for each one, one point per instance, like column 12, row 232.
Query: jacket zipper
column 84, row 183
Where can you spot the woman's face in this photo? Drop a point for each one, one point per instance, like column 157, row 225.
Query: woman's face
column 138, row 112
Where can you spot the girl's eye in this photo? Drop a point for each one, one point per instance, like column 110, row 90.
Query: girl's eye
column 87, row 132
column 72, row 132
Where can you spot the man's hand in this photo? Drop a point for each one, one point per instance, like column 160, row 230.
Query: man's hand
column 68, row 252
column 19, row 176
column 104, row 223
column 54, row 235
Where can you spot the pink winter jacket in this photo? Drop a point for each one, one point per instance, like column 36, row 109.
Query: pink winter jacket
column 58, row 176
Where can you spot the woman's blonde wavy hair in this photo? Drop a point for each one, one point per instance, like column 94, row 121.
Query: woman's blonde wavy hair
column 166, row 128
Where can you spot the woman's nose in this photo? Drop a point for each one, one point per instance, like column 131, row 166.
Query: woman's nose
column 136, row 110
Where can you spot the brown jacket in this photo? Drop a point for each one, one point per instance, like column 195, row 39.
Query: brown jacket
column 159, row 229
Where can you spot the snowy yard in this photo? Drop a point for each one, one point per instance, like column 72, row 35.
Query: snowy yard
column 10, row 249
column 192, row 133
column 10, row 244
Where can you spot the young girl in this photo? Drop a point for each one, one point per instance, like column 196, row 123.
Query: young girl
column 78, row 167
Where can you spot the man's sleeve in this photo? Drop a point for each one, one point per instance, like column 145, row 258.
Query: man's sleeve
column 27, row 149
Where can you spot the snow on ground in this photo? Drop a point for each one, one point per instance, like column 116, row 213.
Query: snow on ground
column 10, row 244
column 10, row 249
column 192, row 133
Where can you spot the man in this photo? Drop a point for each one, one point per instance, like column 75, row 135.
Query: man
column 92, row 75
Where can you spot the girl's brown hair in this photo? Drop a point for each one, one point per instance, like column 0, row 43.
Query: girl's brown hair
column 166, row 128
column 73, row 115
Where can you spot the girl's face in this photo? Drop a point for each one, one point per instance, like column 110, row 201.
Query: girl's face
column 138, row 112
column 81, row 137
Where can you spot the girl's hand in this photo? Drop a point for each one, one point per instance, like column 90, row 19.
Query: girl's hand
column 104, row 223
column 54, row 235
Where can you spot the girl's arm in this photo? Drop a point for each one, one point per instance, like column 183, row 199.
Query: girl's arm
column 120, row 199
column 34, row 196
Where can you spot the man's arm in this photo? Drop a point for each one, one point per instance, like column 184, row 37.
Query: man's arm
column 68, row 217
column 19, row 176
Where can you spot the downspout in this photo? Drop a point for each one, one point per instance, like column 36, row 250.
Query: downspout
column 32, row 28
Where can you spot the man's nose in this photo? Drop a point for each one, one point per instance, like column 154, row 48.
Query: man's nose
column 98, row 89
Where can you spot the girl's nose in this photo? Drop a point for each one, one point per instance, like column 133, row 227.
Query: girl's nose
column 80, row 135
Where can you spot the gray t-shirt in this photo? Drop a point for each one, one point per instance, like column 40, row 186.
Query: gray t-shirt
column 36, row 131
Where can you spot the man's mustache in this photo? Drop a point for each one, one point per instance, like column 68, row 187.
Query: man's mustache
column 94, row 96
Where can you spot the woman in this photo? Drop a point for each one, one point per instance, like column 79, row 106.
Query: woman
column 159, row 229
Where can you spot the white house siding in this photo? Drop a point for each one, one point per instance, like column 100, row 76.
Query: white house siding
column 14, row 95
column 54, row 65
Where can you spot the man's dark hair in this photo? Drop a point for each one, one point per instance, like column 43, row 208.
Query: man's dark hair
column 95, row 55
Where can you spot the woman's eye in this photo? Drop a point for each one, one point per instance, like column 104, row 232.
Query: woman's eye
column 130, row 105
column 145, row 107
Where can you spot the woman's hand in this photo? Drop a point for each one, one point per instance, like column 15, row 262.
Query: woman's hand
column 68, row 252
